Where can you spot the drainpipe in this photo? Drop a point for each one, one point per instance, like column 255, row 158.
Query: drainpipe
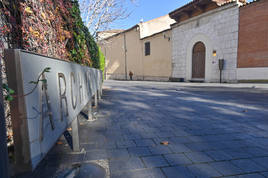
column 125, row 52
column 142, row 58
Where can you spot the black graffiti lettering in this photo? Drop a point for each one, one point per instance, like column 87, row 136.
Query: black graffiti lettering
column 74, row 98
column 45, row 107
column 62, row 95
column 80, row 88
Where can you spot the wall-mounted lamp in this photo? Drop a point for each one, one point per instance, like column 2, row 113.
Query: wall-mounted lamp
column 214, row 53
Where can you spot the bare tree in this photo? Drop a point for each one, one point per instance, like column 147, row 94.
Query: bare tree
column 100, row 14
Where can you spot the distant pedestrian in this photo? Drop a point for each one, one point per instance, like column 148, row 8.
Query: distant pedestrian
column 130, row 75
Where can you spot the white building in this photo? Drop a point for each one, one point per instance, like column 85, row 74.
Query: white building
column 205, row 32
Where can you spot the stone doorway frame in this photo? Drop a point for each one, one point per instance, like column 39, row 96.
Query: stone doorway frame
column 208, row 59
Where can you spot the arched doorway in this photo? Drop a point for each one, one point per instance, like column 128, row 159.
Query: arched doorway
column 198, row 61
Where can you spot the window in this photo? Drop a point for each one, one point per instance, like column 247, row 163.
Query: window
column 147, row 49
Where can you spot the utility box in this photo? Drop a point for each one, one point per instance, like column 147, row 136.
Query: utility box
column 221, row 64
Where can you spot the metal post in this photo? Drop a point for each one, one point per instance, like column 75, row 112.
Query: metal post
column 89, row 114
column 4, row 168
column 99, row 94
column 96, row 99
column 75, row 135
column 221, row 66
column 220, row 76
column 101, row 88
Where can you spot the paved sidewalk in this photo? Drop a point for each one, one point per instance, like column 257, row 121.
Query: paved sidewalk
column 260, row 86
column 212, row 132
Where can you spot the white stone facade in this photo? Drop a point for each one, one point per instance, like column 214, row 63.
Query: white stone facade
column 218, row 30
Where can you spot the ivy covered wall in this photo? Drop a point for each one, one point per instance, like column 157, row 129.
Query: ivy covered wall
column 49, row 27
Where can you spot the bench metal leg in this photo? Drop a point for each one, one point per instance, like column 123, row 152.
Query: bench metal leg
column 89, row 114
column 96, row 99
column 99, row 94
column 75, row 135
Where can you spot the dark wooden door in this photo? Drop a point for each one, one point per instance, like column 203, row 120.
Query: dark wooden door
column 198, row 61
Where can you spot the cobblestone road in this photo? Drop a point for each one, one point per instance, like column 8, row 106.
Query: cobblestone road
column 212, row 132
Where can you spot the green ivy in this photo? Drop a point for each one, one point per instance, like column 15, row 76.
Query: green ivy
column 83, row 46
column 92, row 48
column 97, row 57
column 102, row 61
column 9, row 92
column 78, row 48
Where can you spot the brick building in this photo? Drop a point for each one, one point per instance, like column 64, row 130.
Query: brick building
column 252, row 59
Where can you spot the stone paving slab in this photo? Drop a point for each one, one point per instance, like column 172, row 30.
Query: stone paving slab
column 212, row 131
column 124, row 165
column 150, row 173
column 219, row 155
column 265, row 174
column 248, row 166
column 198, row 157
column 263, row 161
column 177, row 159
column 160, row 149
column 155, row 161
column 226, row 168
column 139, row 151
column 204, row 170
column 144, row 142
column 251, row 176
column 178, row 171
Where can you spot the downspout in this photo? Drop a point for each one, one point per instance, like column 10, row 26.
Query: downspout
column 142, row 50
column 142, row 58
column 125, row 52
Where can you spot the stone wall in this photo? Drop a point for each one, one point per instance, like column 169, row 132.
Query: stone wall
column 218, row 30
column 157, row 65
column 115, row 57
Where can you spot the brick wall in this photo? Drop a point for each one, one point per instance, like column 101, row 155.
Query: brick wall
column 253, row 35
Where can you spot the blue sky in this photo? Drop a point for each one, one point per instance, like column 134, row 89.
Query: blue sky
column 147, row 10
